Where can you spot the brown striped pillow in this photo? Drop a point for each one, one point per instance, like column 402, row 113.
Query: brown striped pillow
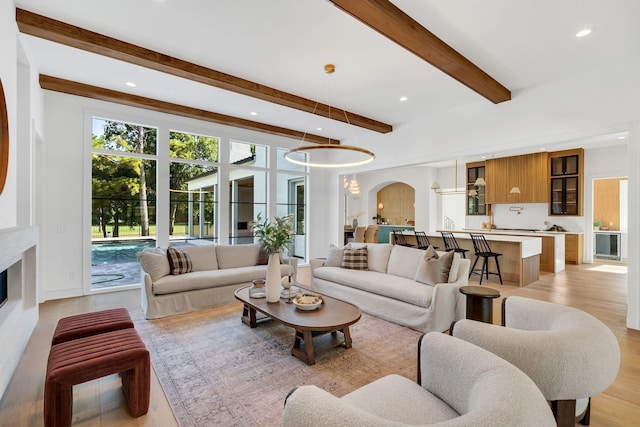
column 180, row 262
column 355, row 259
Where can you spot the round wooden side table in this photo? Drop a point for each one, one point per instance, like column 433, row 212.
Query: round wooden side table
column 479, row 302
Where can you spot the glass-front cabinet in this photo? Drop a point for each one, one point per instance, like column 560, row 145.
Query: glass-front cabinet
column 566, row 165
column 564, row 196
column 566, row 182
column 476, row 200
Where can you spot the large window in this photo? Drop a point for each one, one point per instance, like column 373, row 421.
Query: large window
column 291, row 200
column 193, row 185
column 149, row 186
column 123, row 200
column 247, row 189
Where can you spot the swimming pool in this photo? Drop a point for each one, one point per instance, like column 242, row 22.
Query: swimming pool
column 118, row 252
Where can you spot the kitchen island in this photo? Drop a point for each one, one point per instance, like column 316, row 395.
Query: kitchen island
column 520, row 260
column 552, row 257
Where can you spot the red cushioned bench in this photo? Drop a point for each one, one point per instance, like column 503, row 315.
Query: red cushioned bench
column 87, row 324
column 85, row 359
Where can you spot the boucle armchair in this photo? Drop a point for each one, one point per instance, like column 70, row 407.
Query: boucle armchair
column 569, row 354
column 460, row 385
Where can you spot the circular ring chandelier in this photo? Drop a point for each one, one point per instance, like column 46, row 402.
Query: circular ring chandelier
column 329, row 155
column 324, row 156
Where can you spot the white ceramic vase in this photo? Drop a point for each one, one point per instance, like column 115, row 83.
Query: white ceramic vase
column 273, row 278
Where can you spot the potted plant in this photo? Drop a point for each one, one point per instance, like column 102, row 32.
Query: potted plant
column 378, row 218
column 596, row 224
column 273, row 237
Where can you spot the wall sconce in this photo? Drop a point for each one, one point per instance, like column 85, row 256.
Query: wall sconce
column 480, row 182
column 380, row 206
column 517, row 209
column 515, row 190
column 473, row 193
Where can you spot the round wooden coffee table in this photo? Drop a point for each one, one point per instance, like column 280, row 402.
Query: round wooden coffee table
column 479, row 302
column 316, row 330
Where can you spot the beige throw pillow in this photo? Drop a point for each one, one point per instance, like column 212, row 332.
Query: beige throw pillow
column 434, row 268
column 334, row 257
column 155, row 264
column 404, row 261
column 378, row 256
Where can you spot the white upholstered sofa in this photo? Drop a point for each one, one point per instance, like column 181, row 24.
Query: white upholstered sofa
column 394, row 285
column 217, row 272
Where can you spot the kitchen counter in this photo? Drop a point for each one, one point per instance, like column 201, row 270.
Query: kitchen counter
column 385, row 230
column 520, row 260
column 552, row 257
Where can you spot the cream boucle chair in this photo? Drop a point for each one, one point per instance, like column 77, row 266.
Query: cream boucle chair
column 460, row 385
column 568, row 353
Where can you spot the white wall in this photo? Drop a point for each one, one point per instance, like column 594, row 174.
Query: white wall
column 9, row 78
column 19, row 315
column 418, row 177
column 605, row 162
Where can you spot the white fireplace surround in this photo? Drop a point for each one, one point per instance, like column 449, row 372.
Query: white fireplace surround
column 19, row 315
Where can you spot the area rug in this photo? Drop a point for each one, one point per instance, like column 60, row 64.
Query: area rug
column 217, row 371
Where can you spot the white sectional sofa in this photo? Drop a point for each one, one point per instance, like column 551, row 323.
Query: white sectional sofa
column 217, row 271
column 394, row 285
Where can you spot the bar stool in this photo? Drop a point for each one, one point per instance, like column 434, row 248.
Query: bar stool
column 451, row 244
column 399, row 238
column 483, row 250
column 371, row 234
column 423, row 240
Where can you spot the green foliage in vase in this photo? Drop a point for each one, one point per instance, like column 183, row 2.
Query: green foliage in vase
column 276, row 235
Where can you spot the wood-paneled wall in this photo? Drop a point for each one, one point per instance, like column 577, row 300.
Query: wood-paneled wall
column 606, row 202
column 398, row 200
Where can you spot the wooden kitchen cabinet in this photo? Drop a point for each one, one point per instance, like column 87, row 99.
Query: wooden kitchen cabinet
column 573, row 243
column 566, row 182
column 528, row 172
column 476, row 197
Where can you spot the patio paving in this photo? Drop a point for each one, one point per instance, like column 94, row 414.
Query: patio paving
column 112, row 275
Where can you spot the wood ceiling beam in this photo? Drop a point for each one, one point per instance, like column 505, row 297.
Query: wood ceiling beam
column 393, row 23
column 80, row 89
column 70, row 35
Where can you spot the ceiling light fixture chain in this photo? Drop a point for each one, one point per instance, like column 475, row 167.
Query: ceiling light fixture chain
column 329, row 155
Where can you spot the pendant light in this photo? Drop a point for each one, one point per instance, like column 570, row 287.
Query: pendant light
column 329, row 155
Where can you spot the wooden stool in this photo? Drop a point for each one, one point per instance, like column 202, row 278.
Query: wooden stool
column 479, row 302
column 84, row 325
column 85, row 359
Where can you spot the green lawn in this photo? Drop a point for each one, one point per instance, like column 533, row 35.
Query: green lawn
column 135, row 231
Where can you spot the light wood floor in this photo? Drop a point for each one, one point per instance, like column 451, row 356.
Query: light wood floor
column 599, row 289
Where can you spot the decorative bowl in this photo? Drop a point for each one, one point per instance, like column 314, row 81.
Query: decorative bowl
column 307, row 301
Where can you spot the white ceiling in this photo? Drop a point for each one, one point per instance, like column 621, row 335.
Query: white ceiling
column 527, row 45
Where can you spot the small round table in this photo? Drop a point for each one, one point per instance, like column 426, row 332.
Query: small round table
column 479, row 304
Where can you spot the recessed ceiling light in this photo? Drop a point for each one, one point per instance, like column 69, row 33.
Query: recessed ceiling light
column 583, row 33
column 318, row 128
column 403, row 98
column 542, row 149
column 483, row 157
column 622, row 137
column 253, row 113
column 130, row 84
